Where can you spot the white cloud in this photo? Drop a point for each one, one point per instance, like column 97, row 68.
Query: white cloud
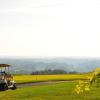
column 51, row 28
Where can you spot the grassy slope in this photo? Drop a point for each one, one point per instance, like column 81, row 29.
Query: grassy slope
column 62, row 91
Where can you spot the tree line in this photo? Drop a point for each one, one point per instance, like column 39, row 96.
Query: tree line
column 49, row 71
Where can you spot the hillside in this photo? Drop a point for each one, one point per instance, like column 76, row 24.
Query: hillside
column 27, row 65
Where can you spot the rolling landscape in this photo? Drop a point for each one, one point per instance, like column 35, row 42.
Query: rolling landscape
column 28, row 65
column 79, row 80
column 49, row 49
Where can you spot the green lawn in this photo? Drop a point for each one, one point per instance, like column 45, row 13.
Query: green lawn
column 61, row 91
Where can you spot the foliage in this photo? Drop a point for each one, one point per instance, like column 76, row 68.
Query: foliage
column 81, row 87
column 85, row 86
column 49, row 71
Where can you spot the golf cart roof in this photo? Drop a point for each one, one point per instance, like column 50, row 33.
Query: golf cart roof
column 4, row 65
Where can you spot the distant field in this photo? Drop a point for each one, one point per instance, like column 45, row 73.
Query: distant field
column 61, row 91
column 36, row 78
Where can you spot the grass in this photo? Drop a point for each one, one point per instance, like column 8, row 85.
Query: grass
column 61, row 91
column 37, row 78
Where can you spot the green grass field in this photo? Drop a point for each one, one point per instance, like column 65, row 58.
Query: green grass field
column 60, row 91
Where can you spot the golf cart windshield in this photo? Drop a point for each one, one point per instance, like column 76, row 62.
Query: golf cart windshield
column 4, row 67
column 4, row 71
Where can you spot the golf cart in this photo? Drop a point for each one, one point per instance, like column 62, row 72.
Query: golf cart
column 6, row 79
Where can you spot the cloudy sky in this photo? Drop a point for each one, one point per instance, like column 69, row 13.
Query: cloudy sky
column 50, row 28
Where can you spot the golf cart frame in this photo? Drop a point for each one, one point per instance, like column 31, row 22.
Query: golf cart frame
column 6, row 79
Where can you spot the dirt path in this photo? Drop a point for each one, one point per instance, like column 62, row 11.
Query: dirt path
column 40, row 83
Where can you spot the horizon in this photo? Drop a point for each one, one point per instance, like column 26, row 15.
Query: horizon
column 49, row 58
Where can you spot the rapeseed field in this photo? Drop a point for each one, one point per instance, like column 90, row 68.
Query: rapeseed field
column 59, row 77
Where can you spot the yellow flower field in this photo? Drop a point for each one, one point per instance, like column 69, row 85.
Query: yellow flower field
column 35, row 78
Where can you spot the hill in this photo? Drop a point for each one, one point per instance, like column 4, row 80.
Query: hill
column 28, row 65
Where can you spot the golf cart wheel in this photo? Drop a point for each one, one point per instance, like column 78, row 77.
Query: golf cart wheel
column 14, row 87
column 4, row 87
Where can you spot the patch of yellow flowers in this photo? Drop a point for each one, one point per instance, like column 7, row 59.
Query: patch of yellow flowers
column 81, row 87
column 29, row 78
column 85, row 86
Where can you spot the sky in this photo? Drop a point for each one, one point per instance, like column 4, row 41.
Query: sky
column 50, row 28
